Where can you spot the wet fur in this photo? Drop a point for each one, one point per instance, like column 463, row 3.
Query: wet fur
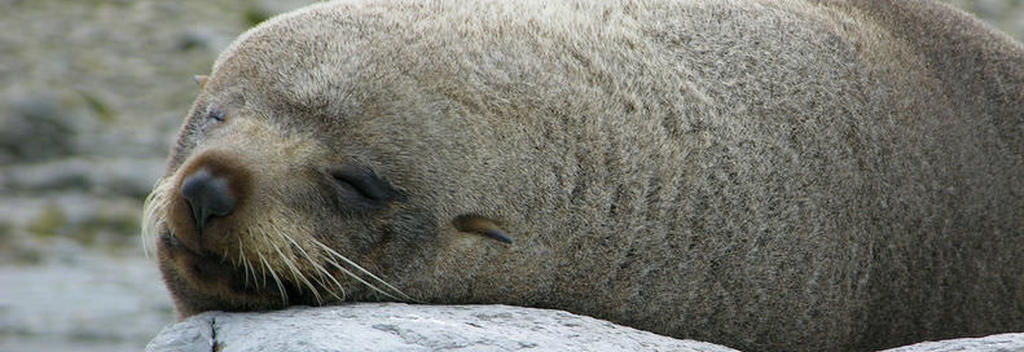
column 768, row 175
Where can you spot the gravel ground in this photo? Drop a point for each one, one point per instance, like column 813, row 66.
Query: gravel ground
column 91, row 94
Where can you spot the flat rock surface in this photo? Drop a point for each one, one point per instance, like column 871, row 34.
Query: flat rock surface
column 992, row 343
column 404, row 327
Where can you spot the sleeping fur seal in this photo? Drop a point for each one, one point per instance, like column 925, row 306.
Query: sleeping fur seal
column 767, row 175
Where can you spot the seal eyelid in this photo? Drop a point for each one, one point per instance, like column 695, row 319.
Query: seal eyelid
column 363, row 181
column 216, row 115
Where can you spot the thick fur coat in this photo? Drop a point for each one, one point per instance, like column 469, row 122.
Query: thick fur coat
column 767, row 175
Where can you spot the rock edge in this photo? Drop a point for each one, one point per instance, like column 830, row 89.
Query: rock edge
column 405, row 327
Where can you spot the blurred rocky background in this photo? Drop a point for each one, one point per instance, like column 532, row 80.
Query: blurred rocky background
column 91, row 95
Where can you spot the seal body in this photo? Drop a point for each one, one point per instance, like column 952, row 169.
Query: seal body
column 767, row 175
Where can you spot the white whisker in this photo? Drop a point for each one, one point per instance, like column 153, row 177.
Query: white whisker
column 323, row 272
column 153, row 215
column 361, row 269
column 245, row 263
column 280, row 286
column 296, row 274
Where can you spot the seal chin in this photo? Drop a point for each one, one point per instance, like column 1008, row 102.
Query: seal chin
column 204, row 267
column 220, row 284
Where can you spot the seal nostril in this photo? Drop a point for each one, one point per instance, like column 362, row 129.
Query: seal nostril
column 207, row 196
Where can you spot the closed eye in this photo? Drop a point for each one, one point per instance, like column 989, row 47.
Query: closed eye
column 216, row 115
column 362, row 182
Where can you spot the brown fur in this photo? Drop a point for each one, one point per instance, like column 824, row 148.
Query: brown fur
column 768, row 175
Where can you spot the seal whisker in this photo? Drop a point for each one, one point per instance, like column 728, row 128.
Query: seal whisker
column 322, row 272
column 263, row 268
column 245, row 264
column 280, row 286
column 323, row 275
column 360, row 268
column 361, row 280
column 326, row 273
column 153, row 215
column 252, row 272
column 290, row 264
column 337, row 265
column 297, row 274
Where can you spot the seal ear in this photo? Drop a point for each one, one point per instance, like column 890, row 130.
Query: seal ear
column 200, row 80
column 482, row 226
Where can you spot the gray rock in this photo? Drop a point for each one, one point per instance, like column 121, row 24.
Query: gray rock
column 993, row 343
column 35, row 128
column 108, row 176
column 403, row 327
column 88, row 297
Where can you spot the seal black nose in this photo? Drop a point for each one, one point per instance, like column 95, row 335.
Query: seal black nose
column 207, row 196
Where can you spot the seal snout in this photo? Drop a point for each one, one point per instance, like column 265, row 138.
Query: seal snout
column 210, row 193
column 207, row 196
